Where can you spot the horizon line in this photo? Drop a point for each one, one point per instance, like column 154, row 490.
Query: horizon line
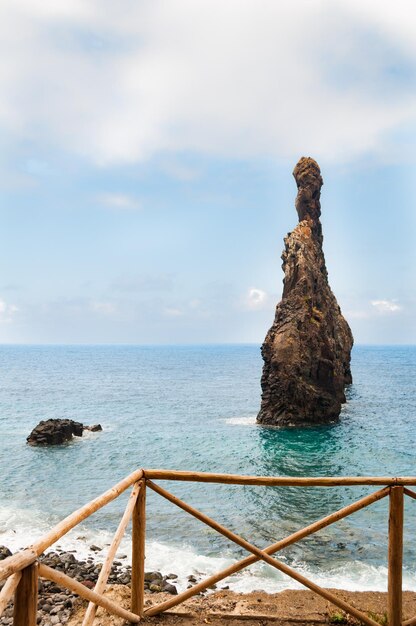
column 177, row 344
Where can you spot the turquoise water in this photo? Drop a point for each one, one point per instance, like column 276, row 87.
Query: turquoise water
column 193, row 408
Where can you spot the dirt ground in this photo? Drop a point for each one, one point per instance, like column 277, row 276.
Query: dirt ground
column 258, row 608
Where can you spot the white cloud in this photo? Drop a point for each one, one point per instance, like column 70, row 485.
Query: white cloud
column 118, row 201
column 386, row 306
column 195, row 303
column 256, row 299
column 102, row 307
column 173, row 312
column 7, row 312
column 180, row 171
column 397, row 24
column 119, row 82
column 373, row 308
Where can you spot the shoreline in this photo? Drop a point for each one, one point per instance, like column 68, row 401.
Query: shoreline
column 60, row 607
column 185, row 560
column 255, row 609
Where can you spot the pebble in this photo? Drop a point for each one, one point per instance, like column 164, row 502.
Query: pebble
column 170, row 589
column 55, row 604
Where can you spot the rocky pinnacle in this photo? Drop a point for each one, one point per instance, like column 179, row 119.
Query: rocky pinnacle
column 307, row 350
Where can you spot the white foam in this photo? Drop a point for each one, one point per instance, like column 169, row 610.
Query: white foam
column 352, row 576
column 19, row 528
column 242, row 421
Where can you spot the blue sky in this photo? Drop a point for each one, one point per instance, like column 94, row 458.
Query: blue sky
column 147, row 151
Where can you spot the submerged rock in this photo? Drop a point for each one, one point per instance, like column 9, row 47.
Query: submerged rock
column 95, row 428
column 57, row 431
column 307, row 350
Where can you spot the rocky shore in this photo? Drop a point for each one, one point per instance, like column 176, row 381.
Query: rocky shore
column 56, row 605
column 59, row 607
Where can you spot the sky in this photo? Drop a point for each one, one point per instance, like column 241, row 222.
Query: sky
column 146, row 161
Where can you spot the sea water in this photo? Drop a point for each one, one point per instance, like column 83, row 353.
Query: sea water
column 194, row 408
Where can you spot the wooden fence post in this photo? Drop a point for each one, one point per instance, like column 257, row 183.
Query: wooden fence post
column 26, row 597
column 395, row 556
column 138, row 552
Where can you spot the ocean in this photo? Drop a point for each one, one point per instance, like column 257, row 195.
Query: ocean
column 194, row 408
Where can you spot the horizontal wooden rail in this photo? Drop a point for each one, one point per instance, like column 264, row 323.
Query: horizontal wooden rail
column 278, row 481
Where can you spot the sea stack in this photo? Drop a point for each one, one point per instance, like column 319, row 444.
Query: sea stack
column 307, row 350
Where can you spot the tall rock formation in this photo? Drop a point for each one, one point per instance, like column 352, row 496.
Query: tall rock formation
column 307, row 351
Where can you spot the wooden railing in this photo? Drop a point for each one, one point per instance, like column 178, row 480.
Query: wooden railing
column 23, row 568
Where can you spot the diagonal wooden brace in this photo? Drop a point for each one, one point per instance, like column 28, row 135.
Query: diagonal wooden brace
column 275, row 547
column 8, row 590
column 106, row 568
column 409, row 493
column 261, row 554
column 70, row 583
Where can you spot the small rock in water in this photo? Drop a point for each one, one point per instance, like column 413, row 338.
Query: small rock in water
column 54, row 432
column 95, row 548
column 57, row 431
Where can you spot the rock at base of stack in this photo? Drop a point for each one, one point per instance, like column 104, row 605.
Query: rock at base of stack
column 307, row 350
